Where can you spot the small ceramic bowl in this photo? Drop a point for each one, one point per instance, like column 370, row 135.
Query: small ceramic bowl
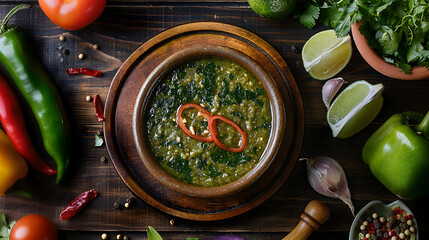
column 382, row 210
column 277, row 124
column 378, row 63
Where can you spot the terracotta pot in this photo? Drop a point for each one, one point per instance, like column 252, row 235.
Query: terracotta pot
column 378, row 63
column 277, row 123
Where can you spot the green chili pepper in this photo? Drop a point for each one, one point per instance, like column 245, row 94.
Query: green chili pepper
column 398, row 154
column 38, row 89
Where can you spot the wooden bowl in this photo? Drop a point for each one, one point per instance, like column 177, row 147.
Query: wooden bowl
column 277, row 122
column 378, row 63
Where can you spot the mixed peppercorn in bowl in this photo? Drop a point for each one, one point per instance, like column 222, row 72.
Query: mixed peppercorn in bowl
column 378, row 221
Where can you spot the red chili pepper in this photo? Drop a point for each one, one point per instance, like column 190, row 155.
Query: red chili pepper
column 371, row 228
column 398, row 211
column 203, row 112
column 99, row 109
column 214, row 132
column 77, row 204
column 84, row 71
column 13, row 122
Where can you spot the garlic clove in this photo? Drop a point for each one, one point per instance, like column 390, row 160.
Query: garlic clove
column 327, row 177
column 330, row 89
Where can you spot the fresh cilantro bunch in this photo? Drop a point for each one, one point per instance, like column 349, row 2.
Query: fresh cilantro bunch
column 397, row 29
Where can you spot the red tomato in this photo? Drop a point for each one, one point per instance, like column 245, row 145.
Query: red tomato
column 33, row 227
column 72, row 14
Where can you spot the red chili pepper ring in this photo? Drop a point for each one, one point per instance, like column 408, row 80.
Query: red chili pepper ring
column 203, row 112
column 214, row 132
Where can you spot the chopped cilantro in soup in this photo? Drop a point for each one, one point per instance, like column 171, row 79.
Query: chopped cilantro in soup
column 223, row 88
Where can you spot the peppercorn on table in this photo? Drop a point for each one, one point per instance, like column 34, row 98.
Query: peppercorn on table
column 105, row 44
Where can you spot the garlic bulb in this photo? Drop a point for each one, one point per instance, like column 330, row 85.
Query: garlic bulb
column 328, row 178
column 330, row 89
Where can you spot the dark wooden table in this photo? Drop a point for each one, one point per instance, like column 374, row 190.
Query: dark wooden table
column 121, row 29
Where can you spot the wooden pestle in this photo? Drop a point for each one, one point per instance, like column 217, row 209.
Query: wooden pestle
column 315, row 214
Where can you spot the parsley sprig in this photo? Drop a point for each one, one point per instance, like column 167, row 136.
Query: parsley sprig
column 397, row 29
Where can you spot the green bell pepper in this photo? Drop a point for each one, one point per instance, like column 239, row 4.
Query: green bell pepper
column 398, row 154
column 38, row 89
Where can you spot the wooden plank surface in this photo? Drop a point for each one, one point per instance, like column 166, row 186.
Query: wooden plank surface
column 120, row 30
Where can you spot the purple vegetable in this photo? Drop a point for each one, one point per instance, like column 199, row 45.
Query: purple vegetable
column 228, row 237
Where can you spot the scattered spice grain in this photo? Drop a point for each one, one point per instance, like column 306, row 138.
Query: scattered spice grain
column 117, row 205
column 81, row 56
column 125, row 238
column 171, row 222
column 104, row 236
column 96, row 47
column 119, row 236
column 103, row 159
column 294, row 49
column 88, row 98
column 127, row 205
column 62, row 38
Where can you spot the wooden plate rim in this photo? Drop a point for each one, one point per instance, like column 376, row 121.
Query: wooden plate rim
column 174, row 32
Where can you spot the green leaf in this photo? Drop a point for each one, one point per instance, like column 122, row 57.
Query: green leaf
column 5, row 228
column 152, row 234
column 329, row 14
column 11, row 224
column 3, row 221
column 388, row 40
column 405, row 68
column 414, row 53
column 192, row 239
column 309, row 15
column 425, row 26
column 383, row 7
column 350, row 14
column 98, row 141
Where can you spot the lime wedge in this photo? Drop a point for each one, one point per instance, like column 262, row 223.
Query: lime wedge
column 355, row 108
column 324, row 55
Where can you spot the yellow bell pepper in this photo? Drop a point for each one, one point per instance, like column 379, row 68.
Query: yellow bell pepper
column 12, row 165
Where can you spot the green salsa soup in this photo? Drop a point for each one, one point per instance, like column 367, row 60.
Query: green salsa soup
column 223, row 88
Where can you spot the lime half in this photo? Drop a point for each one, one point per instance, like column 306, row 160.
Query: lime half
column 324, row 55
column 274, row 9
column 355, row 108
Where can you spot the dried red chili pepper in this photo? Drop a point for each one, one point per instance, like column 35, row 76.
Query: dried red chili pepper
column 213, row 131
column 203, row 112
column 77, row 204
column 99, row 109
column 84, row 71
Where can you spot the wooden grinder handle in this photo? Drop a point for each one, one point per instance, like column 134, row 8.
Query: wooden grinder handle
column 315, row 214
